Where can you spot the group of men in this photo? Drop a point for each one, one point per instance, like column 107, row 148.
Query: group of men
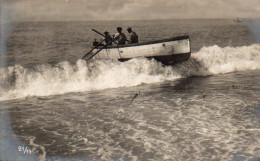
column 120, row 37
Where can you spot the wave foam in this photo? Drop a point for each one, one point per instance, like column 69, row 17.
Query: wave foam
column 43, row 80
column 216, row 60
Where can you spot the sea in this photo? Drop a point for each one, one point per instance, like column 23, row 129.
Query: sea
column 56, row 106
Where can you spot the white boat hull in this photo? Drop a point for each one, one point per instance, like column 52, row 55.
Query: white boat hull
column 170, row 50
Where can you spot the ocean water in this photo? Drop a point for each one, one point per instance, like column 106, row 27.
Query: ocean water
column 59, row 107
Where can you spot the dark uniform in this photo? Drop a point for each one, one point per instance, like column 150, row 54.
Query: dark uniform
column 133, row 37
column 120, row 38
column 108, row 40
column 95, row 43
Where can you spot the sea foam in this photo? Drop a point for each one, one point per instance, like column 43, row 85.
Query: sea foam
column 64, row 77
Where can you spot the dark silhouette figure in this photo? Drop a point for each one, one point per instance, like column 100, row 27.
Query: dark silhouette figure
column 120, row 37
column 108, row 38
column 133, row 36
column 95, row 43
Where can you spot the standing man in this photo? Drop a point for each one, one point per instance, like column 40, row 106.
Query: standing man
column 120, row 37
column 133, row 36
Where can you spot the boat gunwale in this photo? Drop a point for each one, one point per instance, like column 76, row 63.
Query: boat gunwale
column 146, row 43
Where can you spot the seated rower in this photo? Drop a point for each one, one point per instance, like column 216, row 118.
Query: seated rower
column 108, row 38
column 133, row 36
column 120, row 37
column 95, row 43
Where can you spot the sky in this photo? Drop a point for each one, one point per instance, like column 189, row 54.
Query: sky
column 85, row 10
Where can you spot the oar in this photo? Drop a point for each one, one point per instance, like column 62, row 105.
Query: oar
column 100, row 50
column 92, row 49
column 97, row 52
column 113, row 39
column 96, row 45
column 98, row 32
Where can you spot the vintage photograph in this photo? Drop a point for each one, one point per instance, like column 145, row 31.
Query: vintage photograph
column 129, row 80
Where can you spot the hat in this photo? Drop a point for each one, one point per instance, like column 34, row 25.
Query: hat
column 106, row 32
column 129, row 28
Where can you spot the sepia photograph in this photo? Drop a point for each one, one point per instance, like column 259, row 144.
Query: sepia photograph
column 129, row 80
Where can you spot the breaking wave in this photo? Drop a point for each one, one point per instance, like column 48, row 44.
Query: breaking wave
column 43, row 80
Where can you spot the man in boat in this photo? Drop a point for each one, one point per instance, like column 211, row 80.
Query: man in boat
column 108, row 38
column 95, row 43
column 120, row 37
column 133, row 36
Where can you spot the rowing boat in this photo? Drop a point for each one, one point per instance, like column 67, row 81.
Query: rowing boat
column 167, row 51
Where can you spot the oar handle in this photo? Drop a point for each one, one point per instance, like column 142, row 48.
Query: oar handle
column 98, row 32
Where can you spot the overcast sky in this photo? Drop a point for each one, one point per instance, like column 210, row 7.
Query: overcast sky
column 75, row 10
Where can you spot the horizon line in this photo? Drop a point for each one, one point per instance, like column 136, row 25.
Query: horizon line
column 131, row 19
